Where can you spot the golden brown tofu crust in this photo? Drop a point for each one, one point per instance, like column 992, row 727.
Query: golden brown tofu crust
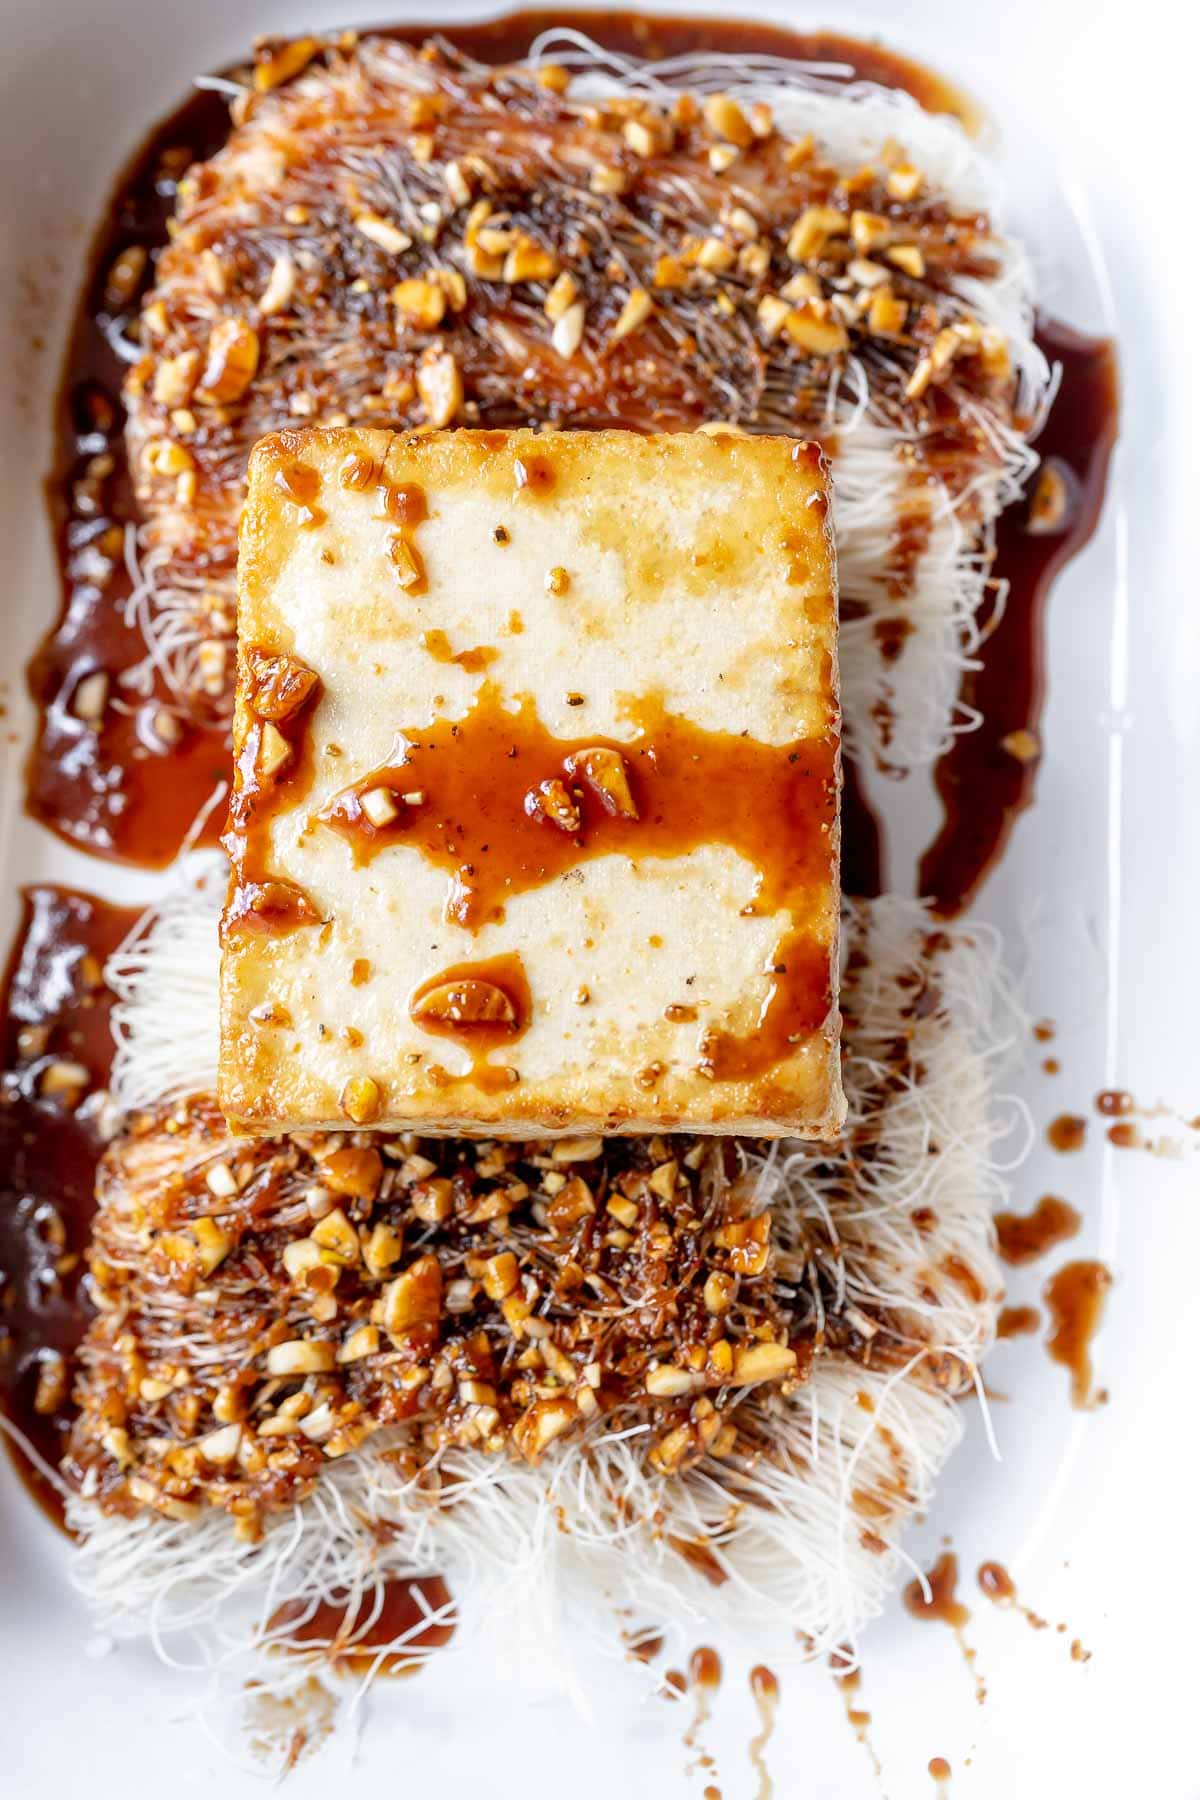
column 568, row 864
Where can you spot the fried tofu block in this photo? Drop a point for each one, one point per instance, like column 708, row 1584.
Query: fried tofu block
column 535, row 816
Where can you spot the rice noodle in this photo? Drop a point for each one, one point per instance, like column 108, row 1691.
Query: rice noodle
column 335, row 139
column 888, row 1240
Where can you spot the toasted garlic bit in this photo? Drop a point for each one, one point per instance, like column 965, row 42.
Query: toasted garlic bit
column 813, row 328
column 604, row 772
column 904, row 182
column 909, row 258
column 421, row 302
column 886, row 313
column 1021, row 744
column 568, row 331
column 277, row 295
column 633, row 315
column 285, row 62
column 551, row 800
column 606, row 179
column 440, row 387
column 812, row 230
column 725, row 119
column 361, row 1099
column 869, row 230
column 382, row 232
column 466, row 1002
column 175, row 378
column 62, row 1079
column 359, row 473
column 379, row 805
column 406, row 561
column 413, row 1298
column 715, row 255
column 232, row 362
column 1050, row 505
column 668, row 1383
column 53, row 1383
column 763, row 1362
column 125, row 277
column 89, row 702
column 278, row 686
column 274, row 752
column 528, row 261
column 561, row 297
column 557, row 581
column 300, row 1356
column 573, row 1150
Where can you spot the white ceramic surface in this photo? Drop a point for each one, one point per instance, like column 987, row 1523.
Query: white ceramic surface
column 1092, row 1514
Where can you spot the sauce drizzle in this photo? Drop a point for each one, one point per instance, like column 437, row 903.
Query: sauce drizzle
column 56, row 1013
column 985, row 784
column 1075, row 1298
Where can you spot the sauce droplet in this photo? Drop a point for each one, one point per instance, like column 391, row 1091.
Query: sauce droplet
column 764, row 1686
column 996, row 1582
column 704, row 1672
column 1022, row 1239
column 1067, row 1132
column 1075, row 1299
column 1017, row 1321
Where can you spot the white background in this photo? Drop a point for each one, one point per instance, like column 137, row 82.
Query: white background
column 1093, row 1514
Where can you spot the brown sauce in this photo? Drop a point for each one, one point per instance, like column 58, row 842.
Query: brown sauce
column 944, row 1606
column 1114, row 1103
column 699, row 1557
column 942, row 1602
column 1067, row 1132
column 478, row 779
column 1023, row 1238
column 940, row 1769
column 120, row 791
column 504, row 975
column 864, row 868
column 56, row 1011
column 764, row 1689
column 1018, row 1321
column 996, row 1582
column 704, row 1680
column 646, row 1649
column 1075, row 1299
column 983, row 786
column 849, row 1683
column 1126, row 1136
column 417, row 1614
